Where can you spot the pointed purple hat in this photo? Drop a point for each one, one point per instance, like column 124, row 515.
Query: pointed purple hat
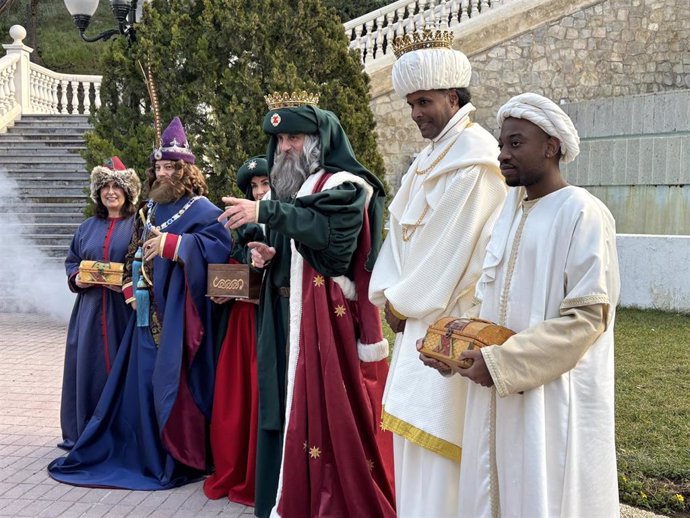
column 174, row 145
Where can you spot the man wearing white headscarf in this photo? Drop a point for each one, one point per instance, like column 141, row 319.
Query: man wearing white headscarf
column 440, row 221
column 539, row 426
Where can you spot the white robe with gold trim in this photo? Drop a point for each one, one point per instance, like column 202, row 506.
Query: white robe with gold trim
column 545, row 449
column 428, row 276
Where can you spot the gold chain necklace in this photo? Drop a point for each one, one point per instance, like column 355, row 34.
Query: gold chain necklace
column 408, row 230
column 438, row 159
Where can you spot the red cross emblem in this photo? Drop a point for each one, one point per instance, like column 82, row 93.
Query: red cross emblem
column 275, row 120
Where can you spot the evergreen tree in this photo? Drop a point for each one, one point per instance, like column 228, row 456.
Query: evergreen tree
column 213, row 61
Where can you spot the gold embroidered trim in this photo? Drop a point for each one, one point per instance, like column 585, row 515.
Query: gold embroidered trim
column 503, row 308
column 493, row 475
column 420, row 437
column 499, row 383
column 587, row 300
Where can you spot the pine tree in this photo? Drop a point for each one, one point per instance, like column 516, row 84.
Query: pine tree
column 213, row 61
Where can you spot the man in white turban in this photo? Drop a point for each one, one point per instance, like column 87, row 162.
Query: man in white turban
column 539, row 425
column 440, row 221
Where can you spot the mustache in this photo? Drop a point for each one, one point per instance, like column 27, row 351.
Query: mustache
column 167, row 189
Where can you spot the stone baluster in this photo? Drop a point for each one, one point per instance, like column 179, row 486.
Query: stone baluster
column 6, row 79
column 464, row 13
column 473, row 8
column 63, row 96
column 443, row 15
column 33, row 87
column 4, row 92
column 75, row 97
column 421, row 15
column 453, row 8
column 369, row 42
column 390, row 32
column 87, row 99
column 53, row 95
column 45, row 92
column 409, row 26
column 483, row 6
column 358, row 40
column 380, row 35
column 400, row 28
column 97, row 95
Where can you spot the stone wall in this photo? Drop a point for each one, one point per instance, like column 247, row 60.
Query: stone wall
column 635, row 157
column 645, row 264
column 568, row 50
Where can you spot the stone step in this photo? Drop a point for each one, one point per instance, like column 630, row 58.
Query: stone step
column 47, row 156
column 46, row 170
column 57, row 218
column 46, row 128
column 55, row 191
column 29, row 174
column 48, row 140
column 52, row 121
column 26, row 228
column 36, row 136
column 29, row 149
column 73, row 199
column 15, row 170
column 56, row 117
column 56, row 251
column 49, row 182
column 49, row 239
column 70, row 144
column 53, row 206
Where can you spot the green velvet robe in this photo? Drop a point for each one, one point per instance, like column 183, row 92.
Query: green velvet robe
column 325, row 227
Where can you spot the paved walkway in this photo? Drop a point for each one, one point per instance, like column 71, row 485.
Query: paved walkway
column 31, row 353
column 31, row 350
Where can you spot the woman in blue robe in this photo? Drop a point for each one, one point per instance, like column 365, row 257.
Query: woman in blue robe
column 149, row 430
column 100, row 314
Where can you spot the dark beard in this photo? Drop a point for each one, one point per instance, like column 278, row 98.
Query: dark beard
column 167, row 189
column 288, row 174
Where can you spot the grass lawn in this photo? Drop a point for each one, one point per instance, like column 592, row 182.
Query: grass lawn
column 652, row 409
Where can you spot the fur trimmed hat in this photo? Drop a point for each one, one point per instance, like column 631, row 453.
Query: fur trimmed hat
column 113, row 170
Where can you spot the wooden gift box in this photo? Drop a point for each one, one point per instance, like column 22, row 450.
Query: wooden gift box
column 237, row 281
column 101, row 272
column 448, row 337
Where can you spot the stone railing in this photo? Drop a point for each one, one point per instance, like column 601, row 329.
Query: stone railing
column 9, row 107
column 28, row 89
column 373, row 33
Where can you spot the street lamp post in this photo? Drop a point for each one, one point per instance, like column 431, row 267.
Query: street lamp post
column 125, row 11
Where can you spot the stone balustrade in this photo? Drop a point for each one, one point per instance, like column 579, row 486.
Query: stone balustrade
column 30, row 89
column 372, row 34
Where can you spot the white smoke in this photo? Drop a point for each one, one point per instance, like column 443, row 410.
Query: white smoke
column 30, row 281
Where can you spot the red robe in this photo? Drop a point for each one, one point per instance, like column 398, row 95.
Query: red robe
column 337, row 462
column 235, row 407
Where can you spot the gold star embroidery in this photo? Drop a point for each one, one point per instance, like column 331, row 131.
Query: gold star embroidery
column 318, row 281
column 382, row 426
column 305, row 445
column 314, row 452
column 370, row 463
column 339, row 311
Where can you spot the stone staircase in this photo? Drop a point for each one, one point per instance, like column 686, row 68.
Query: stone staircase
column 47, row 176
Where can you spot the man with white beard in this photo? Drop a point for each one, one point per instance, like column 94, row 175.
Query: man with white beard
column 321, row 354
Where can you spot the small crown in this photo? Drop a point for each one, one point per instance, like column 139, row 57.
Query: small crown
column 290, row 100
column 424, row 39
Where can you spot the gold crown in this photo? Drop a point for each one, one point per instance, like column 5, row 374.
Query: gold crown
column 290, row 100
column 424, row 39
